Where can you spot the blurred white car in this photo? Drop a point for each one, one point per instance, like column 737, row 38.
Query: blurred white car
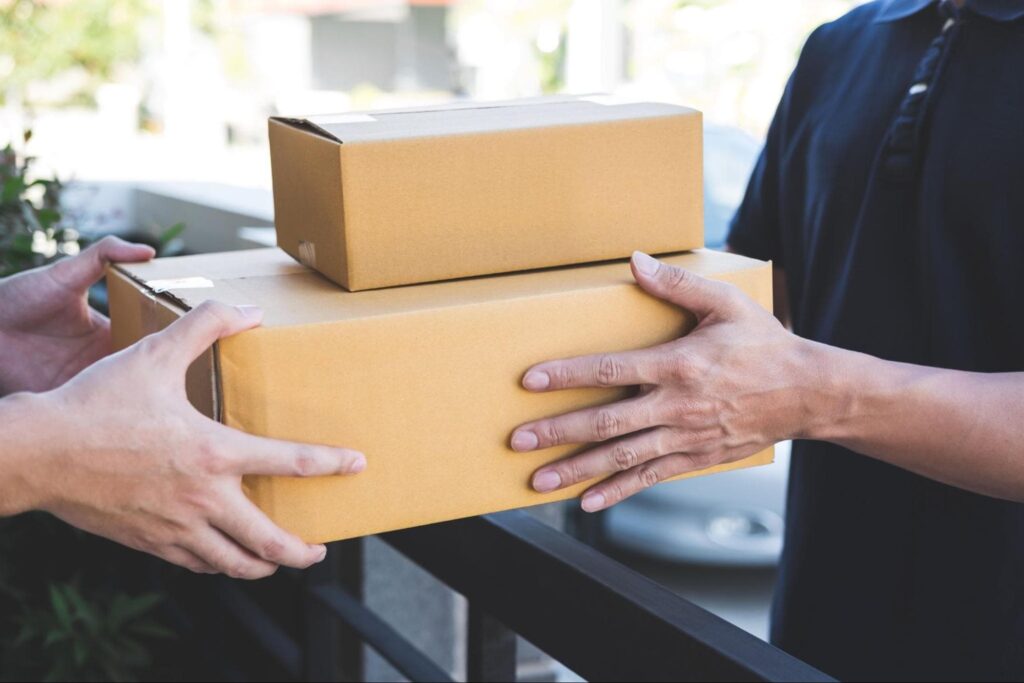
column 735, row 518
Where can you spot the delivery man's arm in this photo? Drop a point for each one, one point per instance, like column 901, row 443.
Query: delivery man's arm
column 740, row 382
column 117, row 449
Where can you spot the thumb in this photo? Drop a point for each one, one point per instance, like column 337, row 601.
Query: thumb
column 680, row 286
column 83, row 270
column 191, row 335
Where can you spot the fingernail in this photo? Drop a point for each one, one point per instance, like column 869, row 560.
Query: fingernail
column 357, row 465
column 524, row 441
column 644, row 263
column 592, row 502
column 535, row 381
column 251, row 312
column 546, row 480
column 322, row 555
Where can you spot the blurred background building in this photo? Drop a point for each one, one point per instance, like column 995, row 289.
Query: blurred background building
column 180, row 90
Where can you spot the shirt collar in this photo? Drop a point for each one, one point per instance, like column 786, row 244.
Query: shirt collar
column 996, row 10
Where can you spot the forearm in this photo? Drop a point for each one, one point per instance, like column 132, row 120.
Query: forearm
column 961, row 428
column 24, row 439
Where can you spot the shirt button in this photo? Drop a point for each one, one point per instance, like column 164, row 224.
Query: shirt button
column 917, row 88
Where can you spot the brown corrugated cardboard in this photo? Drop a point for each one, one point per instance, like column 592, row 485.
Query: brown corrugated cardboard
column 410, row 196
column 424, row 380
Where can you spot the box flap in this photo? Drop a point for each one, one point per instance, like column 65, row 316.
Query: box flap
column 460, row 118
column 291, row 294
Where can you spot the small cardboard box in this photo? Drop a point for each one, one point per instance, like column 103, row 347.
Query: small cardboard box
column 411, row 196
column 425, row 380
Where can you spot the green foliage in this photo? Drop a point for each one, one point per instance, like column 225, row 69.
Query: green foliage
column 64, row 615
column 32, row 227
column 71, row 637
column 45, row 40
column 169, row 242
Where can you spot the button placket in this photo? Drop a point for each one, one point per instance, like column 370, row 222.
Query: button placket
column 901, row 151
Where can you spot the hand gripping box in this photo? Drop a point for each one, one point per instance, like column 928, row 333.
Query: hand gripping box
column 425, row 380
column 419, row 195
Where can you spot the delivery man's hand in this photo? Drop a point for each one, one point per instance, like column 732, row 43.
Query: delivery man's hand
column 732, row 387
column 48, row 332
column 118, row 451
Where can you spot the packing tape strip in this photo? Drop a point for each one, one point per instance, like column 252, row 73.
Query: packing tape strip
column 328, row 119
column 161, row 286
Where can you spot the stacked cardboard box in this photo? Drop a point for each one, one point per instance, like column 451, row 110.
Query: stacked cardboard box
column 422, row 371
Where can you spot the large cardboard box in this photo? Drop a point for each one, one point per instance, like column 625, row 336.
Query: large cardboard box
column 411, row 196
column 425, row 380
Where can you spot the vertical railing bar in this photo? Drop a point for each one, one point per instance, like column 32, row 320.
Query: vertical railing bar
column 352, row 652
column 491, row 651
column 322, row 633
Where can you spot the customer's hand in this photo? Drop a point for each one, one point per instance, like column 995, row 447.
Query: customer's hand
column 733, row 386
column 121, row 453
column 47, row 330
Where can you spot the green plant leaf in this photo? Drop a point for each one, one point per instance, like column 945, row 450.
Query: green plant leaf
column 171, row 233
column 12, row 189
column 125, row 609
column 60, row 606
column 48, row 217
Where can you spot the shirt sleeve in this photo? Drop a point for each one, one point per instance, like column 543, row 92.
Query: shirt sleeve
column 755, row 230
column 757, row 227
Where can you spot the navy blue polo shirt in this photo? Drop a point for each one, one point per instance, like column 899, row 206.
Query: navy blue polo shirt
column 891, row 190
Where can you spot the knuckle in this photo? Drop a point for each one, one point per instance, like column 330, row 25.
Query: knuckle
column 216, row 312
column 731, row 293
column 305, row 462
column 272, row 550
column 624, row 457
column 681, row 411
column 678, row 278
column 551, row 433
column 242, row 570
column 609, row 370
column 648, row 476
column 148, row 347
column 613, row 494
column 573, row 472
column 682, row 367
column 211, row 459
column 703, row 460
column 606, row 424
column 562, row 375
column 148, row 542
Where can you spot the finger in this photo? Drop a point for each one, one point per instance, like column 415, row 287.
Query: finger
column 621, row 486
column 682, row 287
column 226, row 556
column 616, row 456
column 590, row 425
column 628, row 368
column 84, row 269
column 250, row 528
column 185, row 559
column 191, row 335
column 248, row 454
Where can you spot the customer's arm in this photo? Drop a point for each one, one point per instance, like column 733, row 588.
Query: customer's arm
column 740, row 382
column 111, row 445
column 118, row 451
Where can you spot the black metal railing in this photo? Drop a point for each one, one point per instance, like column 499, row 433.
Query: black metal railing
column 519, row 576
